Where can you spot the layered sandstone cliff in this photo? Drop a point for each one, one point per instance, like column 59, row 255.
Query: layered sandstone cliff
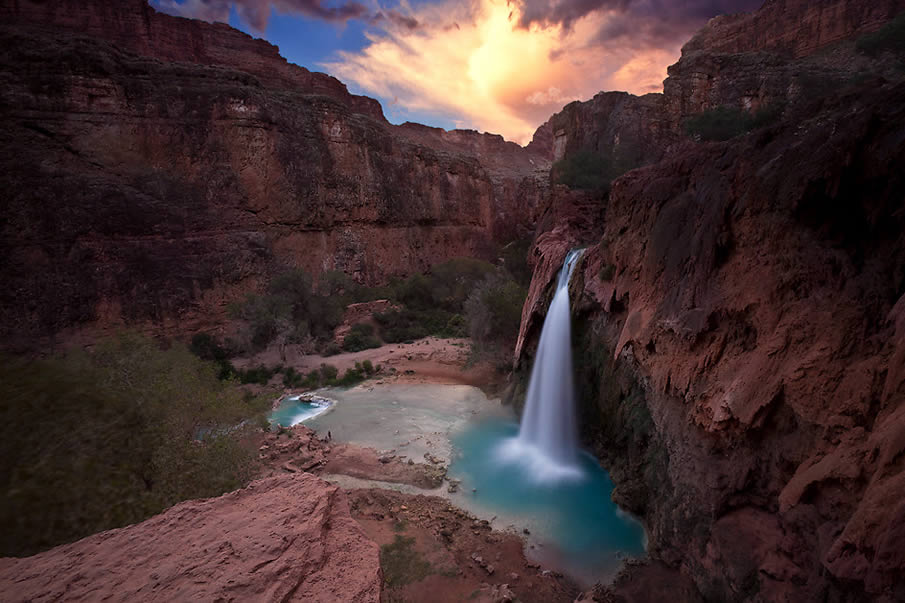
column 155, row 168
column 288, row 538
column 739, row 337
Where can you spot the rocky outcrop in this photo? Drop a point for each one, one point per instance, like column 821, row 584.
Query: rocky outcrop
column 156, row 168
column 738, row 333
column 788, row 51
column 792, row 27
column 757, row 310
column 287, row 538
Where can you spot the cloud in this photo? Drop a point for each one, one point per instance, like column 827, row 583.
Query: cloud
column 669, row 17
column 257, row 12
column 474, row 64
column 501, row 66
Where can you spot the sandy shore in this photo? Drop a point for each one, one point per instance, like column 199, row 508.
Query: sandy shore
column 428, row 360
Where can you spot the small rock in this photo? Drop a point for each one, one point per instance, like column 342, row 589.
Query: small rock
column 513, row 576
column 525, row 531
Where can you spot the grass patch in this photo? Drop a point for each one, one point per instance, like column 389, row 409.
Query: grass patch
column 401, row 563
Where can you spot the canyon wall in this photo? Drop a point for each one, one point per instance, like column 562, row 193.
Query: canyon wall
column 739, row 317
column 156, row 168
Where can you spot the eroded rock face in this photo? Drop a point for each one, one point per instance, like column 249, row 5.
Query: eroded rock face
column 156, row 168
column 287, row 538
column 754, row 290
column 738, row 323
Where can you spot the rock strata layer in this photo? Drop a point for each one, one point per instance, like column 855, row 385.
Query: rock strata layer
column 156, row 168
column 739, row 322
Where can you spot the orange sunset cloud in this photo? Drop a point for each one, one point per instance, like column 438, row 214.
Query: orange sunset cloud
column 475, row 62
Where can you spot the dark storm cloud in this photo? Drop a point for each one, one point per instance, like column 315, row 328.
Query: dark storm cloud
column 396, row 18
column 651, row 20
column 257, row 12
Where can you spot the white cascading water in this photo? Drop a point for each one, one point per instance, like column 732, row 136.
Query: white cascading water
column 548, row 438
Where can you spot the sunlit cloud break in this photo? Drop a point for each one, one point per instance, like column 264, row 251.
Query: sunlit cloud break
column 476, row 63
column 494, row 65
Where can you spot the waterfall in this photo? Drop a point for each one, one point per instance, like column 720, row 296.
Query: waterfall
column 548, row 437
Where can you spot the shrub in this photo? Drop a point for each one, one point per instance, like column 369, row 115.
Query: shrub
column 312, row 380
column 724, row 123
column 351, row 377
column 331, row 349
column 360, row 337
column 291, row 378
column 607, row 272
column 494, row 313
column 104, row 439
column 367, row 367
column 720, row 123
column 584, row 170
column 515, row 260
column 328, row 374
column 889, row 38
column 260, row 374
column 206, row 347
column 400, row 325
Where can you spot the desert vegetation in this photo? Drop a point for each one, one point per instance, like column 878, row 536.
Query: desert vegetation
column 724, row 123
column 101, row 439
column 458, row 298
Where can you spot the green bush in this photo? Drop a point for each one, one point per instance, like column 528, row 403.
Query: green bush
column 101, row 440
column 515, row 260
column 328, row 374
column 350, row 377
column 400, row 326
column 889, row 38
column 360, row 337
column 206, row 347
column 331, row 349
column 585, row 170
column 259, row 374
column 607, row 272
column 367, row 367
column 720, row 123
column 724, row 123
column 494, row 313
column 312, row 380
column 291, row 378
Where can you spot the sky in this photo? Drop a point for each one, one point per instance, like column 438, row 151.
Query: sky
column 489, row 65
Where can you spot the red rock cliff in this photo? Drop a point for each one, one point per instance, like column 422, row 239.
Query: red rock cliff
column 156, row 168
column 740, row 333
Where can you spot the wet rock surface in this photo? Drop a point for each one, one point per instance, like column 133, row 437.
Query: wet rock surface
column 287, row 538
column 432, row 551
column 301, row 449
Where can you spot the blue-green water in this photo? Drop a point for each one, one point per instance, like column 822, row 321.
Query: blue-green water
column 583, row 531
column 293, row 411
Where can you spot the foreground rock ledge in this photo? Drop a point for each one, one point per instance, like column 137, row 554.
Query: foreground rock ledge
column 279, row 539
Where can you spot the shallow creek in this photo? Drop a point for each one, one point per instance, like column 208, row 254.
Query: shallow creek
column 572, row 525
